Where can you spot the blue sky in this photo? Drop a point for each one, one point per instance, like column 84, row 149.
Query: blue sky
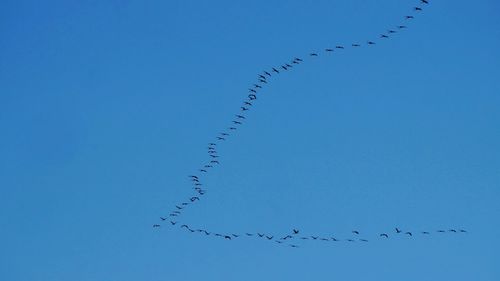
column 107, row 106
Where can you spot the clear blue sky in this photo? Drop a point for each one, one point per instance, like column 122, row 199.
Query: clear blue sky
column 106, row 106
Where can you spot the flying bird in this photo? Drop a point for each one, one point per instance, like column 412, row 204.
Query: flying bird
column 237, row 122
column 401, row 26
column 252, row 97
column 409, row 17
column 424, row 1
column 384, row 235
column 173, row 222
column 248, row 103
column 269, row 237
column 221, row 138
column 163, row 219
column 275, row 70
column 240, row 116
column 156, row 225
column 215, row 162
column 356, row 45
column 425, row 232
column 267, row 73
column 328, row 50
column 194, row 198
column 262, row 76
column 370, row 43
column 227, row 237
column 252, row 90
column 203, row 170
column 355, row 232
column 257, row 86
column 383, row 36
column 313, row 54
column 339, row 47
column 398, row 230
column 409, row 233
column 295, row 231
column 417, row 9
column 244, row 108
column 233, row 128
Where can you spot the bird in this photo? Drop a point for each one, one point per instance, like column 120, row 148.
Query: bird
column 383, row 36
column 262, row 76
column 355, row 232
column 236, row 235
column 267, row 73
column 384, row 235
column 334, row 239
column 313, row 54
column 284, row 67
column 194, row 198
column 463, row 231
column 194, row 177
column 163, row 219
column 356, row 45
column 237, row 122
column 206, row 232
column 409, row 17
column 240, row 116
column 425, row 232
column 249, row 234
column 424, row 1
column 295, row 231
column 304, row 238
column 212, row 152
column 263, row 81
column 279, row 242
column 314, row 237
column 156, row 225
column 252, row 90
column 224, row 134
column 248, row 103
column 260, row 235
column 350, row 240
column 289, row 66
column 214, row 156
column 295, row 62
column 401, row 26
column 184, row 226
column 184, row 204
column 180, row 208
column 398, row 230
column 227, row 237
column 221, row 138
column 203, row 170
column 441, row 231
column 391, row 31
column 173, row 222
column 252, row 97
column 370, row 43
column 173, row 215
column 417, row 9
column 286, row 237
column 324, row 239
column 269, row 237
column 215, row 162
column 328, row 50
column 453, row 230
column 293, row 246
column 233, row 128
column 244, row 108
column 409, row 233
column 257, row 86
column 339, row 47
column 297, row 59
column 275, row 70
column 363, row 240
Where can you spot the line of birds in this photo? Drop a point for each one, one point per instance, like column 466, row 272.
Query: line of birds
column 263, row 79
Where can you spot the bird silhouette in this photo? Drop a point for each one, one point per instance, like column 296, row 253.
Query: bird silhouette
column 173, row 222
column 409, row 17
column 398, row 230
column 356, row 45
column 295, row 231
column 313, row 54
column 252, row 90
column 262, row 77
column 252, row 97
column 267, row 73
column 275, row 70
column 247, row 103
column 424, row 1
column 409, row 233
column 417, row 9
column 221, row 138
column 163, row 219
column 260, row 235
column 240, row 116
column 203, row 170
column 370, row 43
column 425, row 232
column 363, row 240
column 329, row 50
column 401, row 26
column 355, row 232
column 156, row 225
column 237, row 122
column 384, row 235
column 339, row 47
column 269, row 237
column 383, row 36
column 227, row 237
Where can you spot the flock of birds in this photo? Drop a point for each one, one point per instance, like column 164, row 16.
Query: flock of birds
column 292, row 238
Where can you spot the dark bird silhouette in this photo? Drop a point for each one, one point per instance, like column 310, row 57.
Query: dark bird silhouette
column 391, row 31
column 257, row 86
column 355, row 232
column 215, row 162
column 227, row 237
column 284, row 67
column 324, row 239
column 297, row 59
column 252, row 97
column 350, row 240
column 252, row 90
column 304, row 238
column 235, row 235
column 173, row 222
column 237, row 122
column 260, row 235
column 244, row 108
column 452, row 230
column 313, row 54
column 194, row 177
column 356, row 45
column 269, row 237
column 363, row 240
column 203, row 170
column 163, row 219
column 224, row 134
column 314, row 237
column 293, row 246
column 370, row 43
column 441, row 231
column 401, row 26
column 207, row 166
column 295, row 62
column 463, row 231
column 214, row 156
column 295, row 231
column 275, row 70
column 249, row 234
column 384, row 235
column 409, row 233
column 184, row 226
column 398, row 230
column 233, row 128
column 339, row 47
column 173, row 215
column 424, row 1
column 263, row 81
column 425, row 232
column 383, row 36
column 286, row 237
column 262, row 76
column 194, row 198
column 279, row 242
column 267, row 73
column 417, row 9
column 156, row 225
column 240, row 116
column 180, row 208
column 248, row 103
column 206, row 232
column 289, row 66
column 409, row 17
column 184, row 204
column 334, row 239
column 328, row 50
column 221, row 138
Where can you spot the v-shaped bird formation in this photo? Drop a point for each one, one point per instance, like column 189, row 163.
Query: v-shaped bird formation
column 295, row 237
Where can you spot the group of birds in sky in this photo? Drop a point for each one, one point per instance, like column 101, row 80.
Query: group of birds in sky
column 292, row 238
